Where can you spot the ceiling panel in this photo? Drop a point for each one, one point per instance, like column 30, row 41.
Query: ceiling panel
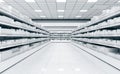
column 111, row 1
column 71, row 8
column 100, row 6
column 82, row 1
column 102, row 1
column 61, row 6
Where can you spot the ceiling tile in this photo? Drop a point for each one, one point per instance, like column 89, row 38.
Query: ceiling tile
column 71, row 8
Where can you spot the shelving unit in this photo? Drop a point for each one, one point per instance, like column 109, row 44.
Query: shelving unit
column 102, row 18
column 17, row 32
column 104, row 31
column 60, row 36
column 96, row 41
column 18, row 43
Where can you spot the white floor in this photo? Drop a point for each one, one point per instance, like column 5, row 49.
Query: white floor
column 57, row 58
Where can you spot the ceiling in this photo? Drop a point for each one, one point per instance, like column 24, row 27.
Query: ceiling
column 71, row 8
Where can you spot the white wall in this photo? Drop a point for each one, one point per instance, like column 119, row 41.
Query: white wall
column 61, row 24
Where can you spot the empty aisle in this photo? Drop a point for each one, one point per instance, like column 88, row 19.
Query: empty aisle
column 57, row 58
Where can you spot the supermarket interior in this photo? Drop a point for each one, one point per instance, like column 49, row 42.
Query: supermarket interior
column 59, row 36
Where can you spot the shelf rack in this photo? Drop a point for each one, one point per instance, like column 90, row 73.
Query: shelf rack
column 102, row 19
column 79, row 34
column 37, row 33
column 4, row 48
column 5, row 13
column 99, row 43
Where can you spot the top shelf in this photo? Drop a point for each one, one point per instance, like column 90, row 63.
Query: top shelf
column 6, row 13
column 102, row 19
column 106, row 17
column 17, row 18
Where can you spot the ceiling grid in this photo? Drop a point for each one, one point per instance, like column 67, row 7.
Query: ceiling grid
column 24, row 6
column 48, row 8
column 69, row 9
column 73, row 8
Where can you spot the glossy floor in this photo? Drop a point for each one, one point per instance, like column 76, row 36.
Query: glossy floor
column 57, row 58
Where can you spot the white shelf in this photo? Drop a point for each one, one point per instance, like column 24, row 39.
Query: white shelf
column 98, row 36
column 22, row 36
column 107, row 16
column 14, row 17
column 110, row 44
column 19, row 43
column 14, row 25
column 110, row 60
column 10, row 62
column 101, row 27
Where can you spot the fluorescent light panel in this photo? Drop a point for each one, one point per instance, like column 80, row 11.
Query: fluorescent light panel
column 30, row 0
column 38, row 10
column 83, row 10
column 60, row 16
column 1, row 1
column 43, row 16
column 60, row 0
column 60, row 10
column 92, row 0
column 78, row 16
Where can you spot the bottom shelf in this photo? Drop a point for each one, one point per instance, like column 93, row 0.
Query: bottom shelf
column 103, row 42
column 4, row 55
column 112, row 52
column 113, row 62
column 4, row 65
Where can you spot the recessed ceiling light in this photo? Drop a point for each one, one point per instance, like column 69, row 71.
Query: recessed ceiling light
column 43, row 16
column 83, row 10
column 30, row 0
column 38, row 10
column 60, row 10
column 60, row 0
column 78, row 16
column 10, row 7
column 60, row 16
column 1, row 1
column 92, row 0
